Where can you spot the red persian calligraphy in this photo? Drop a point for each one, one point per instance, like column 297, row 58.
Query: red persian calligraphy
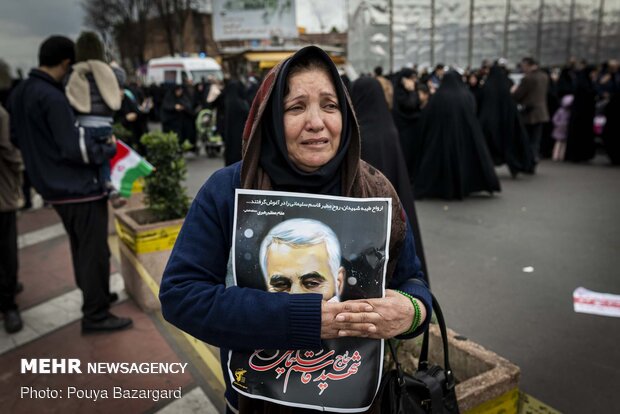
column 328, row 366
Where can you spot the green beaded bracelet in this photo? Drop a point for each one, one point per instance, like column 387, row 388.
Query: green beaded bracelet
column 417, row 313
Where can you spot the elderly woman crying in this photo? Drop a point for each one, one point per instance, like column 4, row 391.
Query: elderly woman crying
column 301, row 136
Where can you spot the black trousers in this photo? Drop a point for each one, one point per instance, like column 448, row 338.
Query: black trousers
column 535, row 133
column 26, row 186
column 87, row 227
column 8, row 260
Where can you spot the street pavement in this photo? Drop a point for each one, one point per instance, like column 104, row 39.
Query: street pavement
column 564, row 223
column 50, row 305
column 561, row 222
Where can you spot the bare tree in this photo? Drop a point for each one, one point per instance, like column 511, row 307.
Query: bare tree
column 174, row 15
column 122, row 20
column 5, row 75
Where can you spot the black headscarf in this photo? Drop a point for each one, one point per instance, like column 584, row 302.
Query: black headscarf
column 274, row 158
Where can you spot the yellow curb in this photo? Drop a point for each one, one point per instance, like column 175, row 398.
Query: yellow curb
column 150, row 240
column 507, row 403
column 530, row 405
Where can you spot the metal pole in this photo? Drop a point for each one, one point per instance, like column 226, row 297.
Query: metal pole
column 599, row 29
column 570, row 29
column 346, row 47
column 506, row 23
column 539, row 30
column 432, row 33
column 391, row 33
column 470, row 43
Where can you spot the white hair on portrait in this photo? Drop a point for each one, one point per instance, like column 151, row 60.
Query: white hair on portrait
column 303, row 232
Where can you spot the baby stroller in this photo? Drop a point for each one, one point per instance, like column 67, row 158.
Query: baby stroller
column 207, row 133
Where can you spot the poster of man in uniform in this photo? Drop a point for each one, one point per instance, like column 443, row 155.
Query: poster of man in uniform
column 304, row 243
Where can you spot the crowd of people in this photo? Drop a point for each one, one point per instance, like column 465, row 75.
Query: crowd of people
column 455, row 126
column 451, row 133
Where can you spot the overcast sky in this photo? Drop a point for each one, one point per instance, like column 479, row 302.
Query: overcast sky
column 25, row 23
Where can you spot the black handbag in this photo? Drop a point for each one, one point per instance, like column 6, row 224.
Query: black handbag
column 431, row 390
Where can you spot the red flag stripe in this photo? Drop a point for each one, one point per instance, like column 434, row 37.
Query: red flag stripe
column 121, row 152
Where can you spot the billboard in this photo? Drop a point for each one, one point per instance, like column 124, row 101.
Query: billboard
column 253, row 19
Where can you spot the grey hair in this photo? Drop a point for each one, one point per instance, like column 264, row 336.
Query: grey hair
column 303, row 232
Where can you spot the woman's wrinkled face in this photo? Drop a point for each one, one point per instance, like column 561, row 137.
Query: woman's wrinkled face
column 312, row 119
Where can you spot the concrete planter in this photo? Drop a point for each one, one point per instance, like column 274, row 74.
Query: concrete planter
column 144, row 251
column 486, row 382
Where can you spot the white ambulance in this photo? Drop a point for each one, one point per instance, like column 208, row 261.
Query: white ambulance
column 174, row 69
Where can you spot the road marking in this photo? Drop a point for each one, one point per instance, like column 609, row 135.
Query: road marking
column 212, row 361
column 53, row 314
column 65, row 309
column 194, row 401
column 530, row 405
column 41, row 235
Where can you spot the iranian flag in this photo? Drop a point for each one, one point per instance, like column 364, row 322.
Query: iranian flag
column 126, row 167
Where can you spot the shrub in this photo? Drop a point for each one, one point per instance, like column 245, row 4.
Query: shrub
column 164, row 190
column 121, row 132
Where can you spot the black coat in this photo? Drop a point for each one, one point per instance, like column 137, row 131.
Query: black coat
column 138, row 127
column 455, row 159
column 501, row 124
column 580, row 138
column 63, row 161
column 406, row 113
column 381, row 147
column 236, row 111
column 477, row 92
column 180, row 122
column 611, row 132
column 553, row 103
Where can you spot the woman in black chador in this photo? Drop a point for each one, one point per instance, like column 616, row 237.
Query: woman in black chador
column 236, row 110
column 502, row 126
column 455, row 159
column 580, row 139
column 406, row 112
column 177, row 114
column 381, row 147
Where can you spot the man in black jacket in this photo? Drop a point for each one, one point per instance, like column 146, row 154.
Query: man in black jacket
column 64, row 163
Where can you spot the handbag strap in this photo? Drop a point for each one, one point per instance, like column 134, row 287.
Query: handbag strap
column 399, row 369
column 423, row 362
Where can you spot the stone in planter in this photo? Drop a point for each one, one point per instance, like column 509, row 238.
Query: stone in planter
column 144, row 251
column 484, row 379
